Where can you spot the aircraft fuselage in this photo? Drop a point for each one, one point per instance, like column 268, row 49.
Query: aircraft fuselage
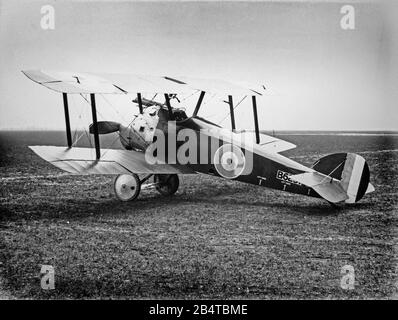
column 207, row 148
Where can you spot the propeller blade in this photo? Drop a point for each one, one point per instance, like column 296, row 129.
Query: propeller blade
column 105, row 127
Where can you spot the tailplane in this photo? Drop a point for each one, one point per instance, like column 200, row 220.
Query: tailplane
column 339, row 177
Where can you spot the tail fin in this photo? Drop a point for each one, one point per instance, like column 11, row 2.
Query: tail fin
column 352, row 171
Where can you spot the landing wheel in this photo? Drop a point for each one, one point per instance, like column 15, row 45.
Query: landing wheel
column 127, row 187
column 166, row 184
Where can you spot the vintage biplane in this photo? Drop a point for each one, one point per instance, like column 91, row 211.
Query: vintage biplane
column 246, row 156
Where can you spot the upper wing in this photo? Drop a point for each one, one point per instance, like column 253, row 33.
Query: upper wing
column 78, row 82
column 83, row 161
column 69, row 82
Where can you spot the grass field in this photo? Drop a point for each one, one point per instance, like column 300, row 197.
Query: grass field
column 213, row 239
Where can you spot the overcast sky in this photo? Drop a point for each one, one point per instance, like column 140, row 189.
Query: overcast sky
column 320, row 77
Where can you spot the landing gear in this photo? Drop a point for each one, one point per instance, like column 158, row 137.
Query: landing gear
column 128, row 186
column 166, row 184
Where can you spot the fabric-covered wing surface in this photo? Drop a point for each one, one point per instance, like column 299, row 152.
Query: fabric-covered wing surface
column 73, row 83
column 83, row 161
column 268, row 143
column 79, row 82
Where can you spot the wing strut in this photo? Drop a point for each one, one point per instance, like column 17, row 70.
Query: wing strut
column 231, row 111
column 167, row 97
column 95, row 126
column 67, row 122
column 202, row 95
column 139, row 100
column 256, row 119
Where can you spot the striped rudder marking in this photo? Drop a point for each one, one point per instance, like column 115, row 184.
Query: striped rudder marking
column 355, row 177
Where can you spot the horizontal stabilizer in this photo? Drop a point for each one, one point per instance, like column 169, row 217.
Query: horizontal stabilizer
column 112, row 161
column 327, row 187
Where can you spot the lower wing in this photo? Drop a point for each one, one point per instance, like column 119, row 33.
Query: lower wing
column 267, row 143
column 83, row 161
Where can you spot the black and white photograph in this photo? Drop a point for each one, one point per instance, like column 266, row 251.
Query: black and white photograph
column 198, row 155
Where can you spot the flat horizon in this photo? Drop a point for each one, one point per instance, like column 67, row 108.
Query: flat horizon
column 262, row 131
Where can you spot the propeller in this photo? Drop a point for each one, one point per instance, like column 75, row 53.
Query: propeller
column 105, row 127
column 129, row 138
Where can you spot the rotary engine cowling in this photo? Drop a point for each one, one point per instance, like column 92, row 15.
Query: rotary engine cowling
column 139, row 134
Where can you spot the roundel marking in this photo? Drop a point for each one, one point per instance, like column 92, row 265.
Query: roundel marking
column 229, row 161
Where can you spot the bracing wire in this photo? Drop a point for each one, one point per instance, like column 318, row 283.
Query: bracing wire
column 205, row 102
column 76, row 136
column 113, row 107
column 196, row 91
column 229, row 113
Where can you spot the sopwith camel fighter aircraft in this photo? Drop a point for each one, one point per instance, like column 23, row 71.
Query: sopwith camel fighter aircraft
column 246, row 156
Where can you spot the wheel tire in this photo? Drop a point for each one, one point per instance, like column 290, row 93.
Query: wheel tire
column 169, row 183
column 127, row 187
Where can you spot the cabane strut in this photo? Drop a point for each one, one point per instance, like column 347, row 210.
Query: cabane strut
column 199, row 103
column 167, row 98
column 139, row 100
